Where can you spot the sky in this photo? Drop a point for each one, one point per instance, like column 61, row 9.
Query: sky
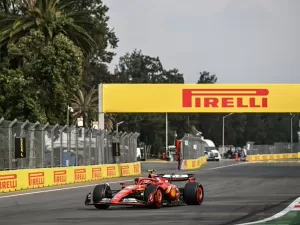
column 241, row 41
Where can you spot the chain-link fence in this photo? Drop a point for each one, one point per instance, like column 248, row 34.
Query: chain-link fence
column 58, row 146
column 192, row 147
column 277, row 148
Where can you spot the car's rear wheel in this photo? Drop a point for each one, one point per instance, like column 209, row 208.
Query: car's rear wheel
column 193, row 193
column 157, row 196
column 101, row 191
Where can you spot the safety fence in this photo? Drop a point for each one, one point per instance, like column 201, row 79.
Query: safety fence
column 59, row 146
column 192, row 147
column 276, row 148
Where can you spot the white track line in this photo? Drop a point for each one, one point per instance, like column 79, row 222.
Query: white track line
column 276, row 216
column 89, row 185
column 238, row 164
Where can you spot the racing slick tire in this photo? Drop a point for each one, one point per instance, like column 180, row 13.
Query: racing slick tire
column 101, row 191
column 158, row 196
column 193, row 193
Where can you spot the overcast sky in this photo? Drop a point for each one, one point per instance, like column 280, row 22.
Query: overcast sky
column 241, row 41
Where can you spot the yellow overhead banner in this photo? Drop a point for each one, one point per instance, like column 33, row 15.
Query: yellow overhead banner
column 201, row 98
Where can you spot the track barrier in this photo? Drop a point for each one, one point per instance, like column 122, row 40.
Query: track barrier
column 17, row 180
column 267, row 157
column 191, row 164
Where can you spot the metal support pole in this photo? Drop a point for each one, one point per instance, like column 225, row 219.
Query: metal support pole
column 166, row 133
column 69, row 109
column 43, row 144
column 32, row 153
column 100, row 107
column 84, row 146
column 68, row 116
column 117, row 128
column 52, row 145
column 10, row 143
column 291, row 125
column 98, row 148
column 69, row 144
column 76, row 154
column 23, row 127
column 90, row 143
column 61, row 145
column 223, row 132
column 21, row 136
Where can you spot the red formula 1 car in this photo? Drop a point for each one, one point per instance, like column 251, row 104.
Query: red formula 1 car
column 154, row 191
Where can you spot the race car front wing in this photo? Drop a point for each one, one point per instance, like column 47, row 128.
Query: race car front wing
column 107, row 201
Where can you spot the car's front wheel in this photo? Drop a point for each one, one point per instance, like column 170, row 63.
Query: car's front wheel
column 101, row 191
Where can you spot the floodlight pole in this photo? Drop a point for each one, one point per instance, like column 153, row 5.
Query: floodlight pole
column 223, row 132
column 166, row 133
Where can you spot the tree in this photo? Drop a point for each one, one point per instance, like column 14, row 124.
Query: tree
column 206, row 78
column 136, row 67
column 85, row 105
column 96, row 73
column 95, row 69
column 50, row 17
column 84, row 22
column 42, row 87
column 104, row 36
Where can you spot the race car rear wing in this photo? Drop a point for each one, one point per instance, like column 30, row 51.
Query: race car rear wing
column 177, row 177
column 173, row 176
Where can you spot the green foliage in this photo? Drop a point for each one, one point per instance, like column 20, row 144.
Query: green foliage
column 52, row 18
column 41, row 60
column 46, row 76
column 104, row 36
column 206, row 78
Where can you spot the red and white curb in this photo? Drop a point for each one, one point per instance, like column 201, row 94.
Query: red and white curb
column 294, row 206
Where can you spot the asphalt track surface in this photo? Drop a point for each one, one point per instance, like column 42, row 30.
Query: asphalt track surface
column 233, row 194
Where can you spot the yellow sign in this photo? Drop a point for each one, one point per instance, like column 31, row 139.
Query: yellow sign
column 208, row 98
column 38, row 178
column 191, row 164
column 267, row 157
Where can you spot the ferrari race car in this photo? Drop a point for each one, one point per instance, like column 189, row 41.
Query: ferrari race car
column 153, row 191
